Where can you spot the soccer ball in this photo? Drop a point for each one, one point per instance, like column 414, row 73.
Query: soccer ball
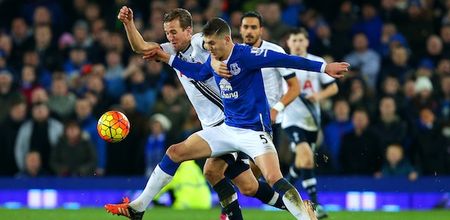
column 113, row 126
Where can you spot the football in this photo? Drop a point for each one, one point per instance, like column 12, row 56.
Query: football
column 113, row 126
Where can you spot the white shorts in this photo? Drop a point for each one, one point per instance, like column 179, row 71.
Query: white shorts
column 225, row 139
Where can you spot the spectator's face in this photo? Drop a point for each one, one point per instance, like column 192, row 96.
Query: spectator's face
column 78, row 56
column 113, row 59
column 59, row 87
column 95, row 84
column 273, row 13
column 39, row 95
column 18, row 112
column 298, row 44
column 360, row 42
column 409, row 88
column 5, row 83
column 427, row 116
column 80, row 34
column 445, row 85
column 434, row 45
column 394, row 154
column 73, row 133
column 443, row 67
column 137, row 77
column 33, row 162
column 341, row 111
column 399, row 56
column 387, row 107
column 40, row 113
column 99, row 70
column 368, row 12
column 323, row 31
column 153, row 68
column 6, row 43
column 360, row 120
column 28, row 74
column 177, row 36
column 169, row 93
column 31, row 58
column 43, row 36
column 19, row 28
column 388, row 4
column 128, row 103
column 42, row 16
column 445, row 34
column 156, row 127
column 391, row 86
column 250, row 30
column 83, row 108
column 235, row 20
column 92, row 12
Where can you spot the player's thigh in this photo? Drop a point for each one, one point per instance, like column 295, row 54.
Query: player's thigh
column 220, row 140
column 194, row 147
column 268, row 163
column 253, row 143
column 214, row 170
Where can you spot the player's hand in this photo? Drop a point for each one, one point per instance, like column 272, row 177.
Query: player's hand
column 220, row 68
column 125, row 15
column 314, row 97
column 156, row 54
column 336, row 69
column 273, row 115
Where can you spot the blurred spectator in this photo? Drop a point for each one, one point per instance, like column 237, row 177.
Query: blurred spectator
column 341, row 27
column 370, row 25
column 358, row 95
column 74, row 155
column 9, row 128
column 47, row 51
column 396, row 164
column 364, row 58
column 445, row 36
column 96, row 94
column 434, row 48
column 139, row 86
column 423, row 96
column 61, row 100
column 429, row 145
column 22, row 40
column 391, row 87
column 172, row 105
column 8, row 94
column 41, row 134
column 397, row 66
column 390, row 13
column 127, row 157
column 444, row 100
column 77, row 58
column 28, row 82
column 272, row 21
column 390, row 128
column 81, row 35
column 33, row 166
column 88, row 123
column 360, row 152
column 336, row 129
column 156, row 144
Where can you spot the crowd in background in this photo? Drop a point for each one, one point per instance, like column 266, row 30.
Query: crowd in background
column 64, row 63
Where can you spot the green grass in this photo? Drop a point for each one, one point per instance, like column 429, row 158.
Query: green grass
column 249, row 214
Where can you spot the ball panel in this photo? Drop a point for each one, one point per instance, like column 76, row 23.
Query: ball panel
column 113, row 126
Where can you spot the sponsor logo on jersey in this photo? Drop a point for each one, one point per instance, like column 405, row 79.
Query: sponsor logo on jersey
column 226, row 90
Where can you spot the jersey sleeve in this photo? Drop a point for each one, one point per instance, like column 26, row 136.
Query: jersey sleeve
column 256, row 58
column 196, row 71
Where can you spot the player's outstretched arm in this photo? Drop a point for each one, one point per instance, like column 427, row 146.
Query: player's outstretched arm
column 257, row 58
column 134, row 37
column 196, row 71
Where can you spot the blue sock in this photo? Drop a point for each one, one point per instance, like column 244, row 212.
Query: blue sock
column 168, row 165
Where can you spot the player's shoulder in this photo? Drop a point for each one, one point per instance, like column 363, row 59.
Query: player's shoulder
column 168, row 47
column 315, row 58
column 272, row 46
column 197, row 38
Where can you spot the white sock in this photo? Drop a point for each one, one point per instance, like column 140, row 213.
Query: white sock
column 293, row 206
column 155, row 183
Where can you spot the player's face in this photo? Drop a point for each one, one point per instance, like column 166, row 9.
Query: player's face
column 178, row 37
column 251, row 30
column 298, row 44
column 217, row 45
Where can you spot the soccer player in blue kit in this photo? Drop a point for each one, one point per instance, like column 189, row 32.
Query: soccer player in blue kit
column 247, row 117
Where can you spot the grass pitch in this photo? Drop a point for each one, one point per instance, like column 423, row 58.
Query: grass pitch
column 249, row 214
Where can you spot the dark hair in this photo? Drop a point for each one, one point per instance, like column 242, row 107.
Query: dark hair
column 253, row 14
column 216, row 26
column 300, row 30
column 183, row 15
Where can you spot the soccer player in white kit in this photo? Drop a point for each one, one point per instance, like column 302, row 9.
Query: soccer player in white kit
column 301, row 119
column 206, row 101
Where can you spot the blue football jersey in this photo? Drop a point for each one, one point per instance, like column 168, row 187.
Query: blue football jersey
column 243, row 96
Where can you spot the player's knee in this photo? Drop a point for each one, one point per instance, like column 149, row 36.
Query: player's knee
column 272, row 178
column 176, row 153
column 248, row 189
column 212, row 175
column 304, row 163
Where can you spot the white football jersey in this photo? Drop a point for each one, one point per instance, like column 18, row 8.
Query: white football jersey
column 273, row 79
column 204, row 96
column 297, row 113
